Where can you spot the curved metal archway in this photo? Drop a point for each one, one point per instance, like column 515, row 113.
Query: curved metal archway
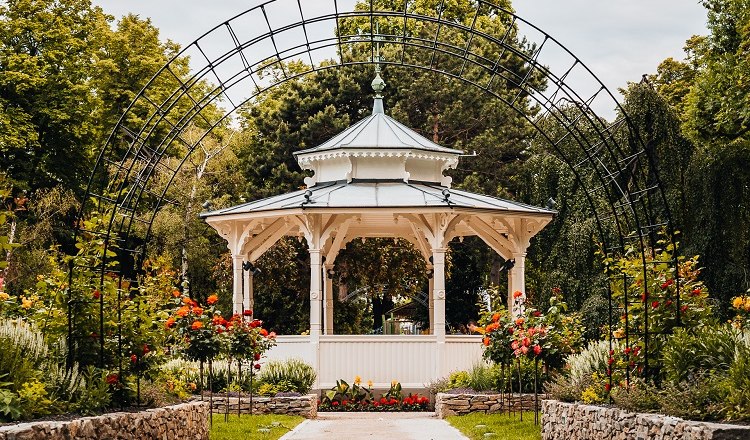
column 123, row 177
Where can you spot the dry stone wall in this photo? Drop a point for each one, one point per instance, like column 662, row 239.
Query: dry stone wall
column 187, row 421
column 305, row 406
column 562, row 421
column 459, row 404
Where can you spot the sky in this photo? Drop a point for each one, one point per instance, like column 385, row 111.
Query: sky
column 618, row 40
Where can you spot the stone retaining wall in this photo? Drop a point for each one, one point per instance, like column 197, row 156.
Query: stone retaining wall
column 460, row 404
column 586, row 422
column 184, row 421
column 305, row 406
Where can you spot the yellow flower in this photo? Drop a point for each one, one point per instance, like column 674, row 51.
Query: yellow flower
column 369, row 384
column 26, row 303
column 394, row 383
column 4, row 296
column 738, row 302
column 357, row 380
column 747, row 304
column 619, row 333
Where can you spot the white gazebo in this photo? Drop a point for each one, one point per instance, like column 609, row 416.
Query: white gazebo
column 377, row 178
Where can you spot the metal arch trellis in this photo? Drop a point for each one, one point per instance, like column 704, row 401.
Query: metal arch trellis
column 126, row 184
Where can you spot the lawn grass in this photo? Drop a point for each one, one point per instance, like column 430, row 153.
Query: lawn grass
column 246, row 427
column 504, row 426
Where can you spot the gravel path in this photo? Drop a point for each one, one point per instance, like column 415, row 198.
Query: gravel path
column 376, row 425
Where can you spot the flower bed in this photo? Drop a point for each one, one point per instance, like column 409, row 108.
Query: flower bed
column 357, row 398
column 409, row 403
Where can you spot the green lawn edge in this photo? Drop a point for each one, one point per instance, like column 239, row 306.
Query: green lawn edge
column 246, row 426
column 504, row 426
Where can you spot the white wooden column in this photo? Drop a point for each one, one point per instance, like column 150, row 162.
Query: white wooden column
column 316, row 294
column 431, row 296
column 237, row 284
column 438, row 292
column 328, row 304
column 516, row 280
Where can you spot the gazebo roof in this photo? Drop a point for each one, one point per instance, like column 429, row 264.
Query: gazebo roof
column 381, row 194
column 379, row 131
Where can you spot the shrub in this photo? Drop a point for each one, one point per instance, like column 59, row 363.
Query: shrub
column 290, row 375
column 639, row 396
column 691, row 352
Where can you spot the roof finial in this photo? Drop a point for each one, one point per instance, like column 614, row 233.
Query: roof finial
column 378, row 85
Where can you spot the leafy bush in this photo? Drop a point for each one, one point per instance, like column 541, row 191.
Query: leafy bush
column 691, row 352
column 290, row 375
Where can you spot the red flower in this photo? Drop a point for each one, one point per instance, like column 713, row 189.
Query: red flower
column 256, row 356
column 133, row 358
column 643, row 298
column 263, row 332
column 667, row 283
column 335, row 403
column 607, row 387
column 696, row 292
column 610, row 361
column 345, row 402
column 257, row 366
column 383, row 401
column 537, row 313
column 627, row 350
column 256, row 323
column 393, row 401
column 212, row 299
column 537, row 350
column 526, row 342
column 684, row 308
column 655, row 304
column 97, row 294
column 146, row 350
column 247, row 312
column 517, row 294
column 112, row 378
column 375, row 404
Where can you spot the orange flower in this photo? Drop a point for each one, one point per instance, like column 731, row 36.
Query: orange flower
column 198, row 311
column 212, row 299
column 496, row 317
column 176, row 293
column 169, row 323
column 263, row 332
column 486, row 342
column 197, row 325
column 517, row 294
column 183, row 311
column 520, row 321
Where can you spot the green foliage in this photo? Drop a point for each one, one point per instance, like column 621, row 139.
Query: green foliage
column 691, row 353
column 10, row 405
column 289, row 375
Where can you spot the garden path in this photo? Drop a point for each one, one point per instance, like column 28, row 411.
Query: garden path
column 376, row 425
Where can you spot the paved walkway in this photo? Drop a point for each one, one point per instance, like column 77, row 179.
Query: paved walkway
column 375, row 425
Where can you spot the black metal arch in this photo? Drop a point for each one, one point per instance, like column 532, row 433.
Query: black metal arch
column 123, row 176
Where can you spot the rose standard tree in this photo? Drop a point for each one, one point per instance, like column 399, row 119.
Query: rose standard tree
column 247, row 340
